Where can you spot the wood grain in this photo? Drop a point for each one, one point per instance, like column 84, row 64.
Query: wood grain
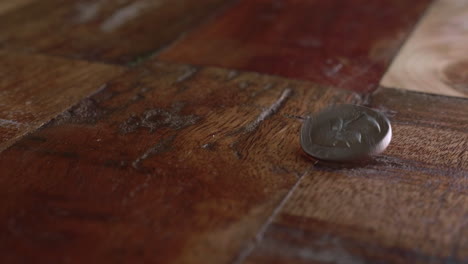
column 167, row 164
column 346, row 44
column 8, row 5
column 409, row 205
column 114, row 31
column 35, row 89
column 435, row 58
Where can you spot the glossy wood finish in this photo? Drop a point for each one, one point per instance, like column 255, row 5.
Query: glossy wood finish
column 167, row 164
column 409, row 205
column 435, row 58
column 35, row 89
column 346, row 44
column 105, row 30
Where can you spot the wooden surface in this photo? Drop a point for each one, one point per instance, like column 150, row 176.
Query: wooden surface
column 114, row 31
column 409, row 205
column 34, row 89
column 346, row 44
column 168, row 164
column 7, row 5
column 159, row 161
column 435, row 58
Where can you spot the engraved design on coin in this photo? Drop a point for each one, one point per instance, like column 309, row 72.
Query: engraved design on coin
column 345, row 133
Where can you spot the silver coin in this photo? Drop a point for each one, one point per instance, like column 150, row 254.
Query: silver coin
column 345, row 133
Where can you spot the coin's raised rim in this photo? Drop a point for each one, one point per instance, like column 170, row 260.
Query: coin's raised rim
column 344, row 154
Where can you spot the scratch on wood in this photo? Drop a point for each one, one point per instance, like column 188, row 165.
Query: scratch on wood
column 232, row 75
column 210, row 146
column 154, row 119
column 325, row 249
column 9, row 123
column 266, row 87
column 244, row 84
column 333, row 70
column 294, row 116
column 188, row 73
column 263, row 229
column 86, row 111
column 236, row 151
column 162, row 146
column 366, row 99
column 267, row 113
column 329, row 250
column 386, row 111
column 139, row 59
column 87, row 11
column 122, row 16
column 353, row 77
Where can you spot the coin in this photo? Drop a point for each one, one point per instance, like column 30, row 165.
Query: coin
column 345, row 133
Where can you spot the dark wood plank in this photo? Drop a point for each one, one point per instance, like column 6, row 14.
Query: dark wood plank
column 105, row 30
column 346, row 44
column 34, row 89
column 9, row 5
column 409, row 205
column 168, row 164
column 435, row 58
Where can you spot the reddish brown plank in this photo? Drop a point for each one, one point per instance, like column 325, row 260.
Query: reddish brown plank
column 34, row 89
column 435, row 57
column 409, row 205
column 346, row 44
column 104, row 30
column 168, row 164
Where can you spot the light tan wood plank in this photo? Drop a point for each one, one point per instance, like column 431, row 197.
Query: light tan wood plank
column 435, row 57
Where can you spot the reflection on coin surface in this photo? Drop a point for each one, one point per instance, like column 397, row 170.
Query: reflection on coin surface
column 345, row 133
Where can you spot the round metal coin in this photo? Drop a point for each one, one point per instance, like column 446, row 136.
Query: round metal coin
column 345, row 133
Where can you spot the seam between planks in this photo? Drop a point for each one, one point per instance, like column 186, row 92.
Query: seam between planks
column 405, row 40
column 63, row 57
column 6, row 145
column 182, row 35
column 244, row 253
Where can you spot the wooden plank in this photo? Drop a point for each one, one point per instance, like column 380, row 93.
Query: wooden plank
column 8, row 5
column 167, row 164
column 346, row 44
column 409, row 205
column 435, row 58
column 105, row 30
column 34, row 89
